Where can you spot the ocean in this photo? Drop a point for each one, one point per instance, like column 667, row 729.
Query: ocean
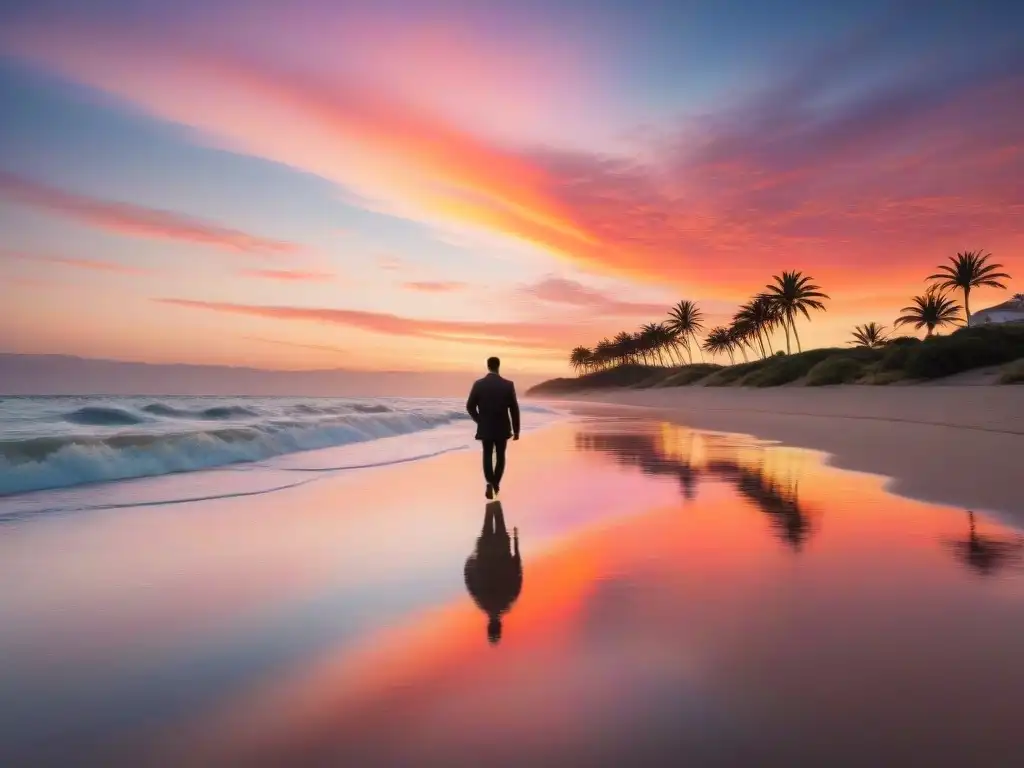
column 49, row 443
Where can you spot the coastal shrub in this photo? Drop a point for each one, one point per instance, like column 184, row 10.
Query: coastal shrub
column 903, row 341
column 688, row 374
column 878, row 377
column 1013, row 373
column 620, row 376
column 838, row 369
column 783, row 370
column 895, row 356
column 965, row 349
column 656, row 378
column 727, row 376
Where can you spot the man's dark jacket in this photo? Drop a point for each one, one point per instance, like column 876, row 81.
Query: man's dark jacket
column 491, row 403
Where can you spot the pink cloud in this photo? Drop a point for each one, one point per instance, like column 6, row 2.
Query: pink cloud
column 286, row 275
column 527, row 334
column 879, row 186
column 129, row 219
column 434, row 286
column 569, row 292
column 90, row 264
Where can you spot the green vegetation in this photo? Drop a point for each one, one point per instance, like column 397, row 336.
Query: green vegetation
column 901, row 359
column 966, row 349
column 688, row 374
column 653, row 356
column 870, row 335
column 836, row 370
column 1013, row 373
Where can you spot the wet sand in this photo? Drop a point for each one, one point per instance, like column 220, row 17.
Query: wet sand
column 961, row 445
column 687, row 598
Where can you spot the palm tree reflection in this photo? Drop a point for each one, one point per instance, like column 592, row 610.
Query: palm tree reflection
column 493, row 574
column 790, row 521
column 986, row 554
column 641, row 451
column 691, row 457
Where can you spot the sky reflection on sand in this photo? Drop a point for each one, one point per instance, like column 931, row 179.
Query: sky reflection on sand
column 684, row 595
column 775, row 609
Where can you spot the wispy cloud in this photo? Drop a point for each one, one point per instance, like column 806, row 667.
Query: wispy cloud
column 89, row 264
column 808, row 174
column 298, row 345
column 571, row 293
column 527, row 334
column 286, row 275
column 129, row 219
column 434, row 286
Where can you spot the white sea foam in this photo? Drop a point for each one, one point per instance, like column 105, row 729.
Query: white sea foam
column 48, row 443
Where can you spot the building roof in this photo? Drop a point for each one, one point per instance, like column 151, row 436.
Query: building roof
column 1007, row 306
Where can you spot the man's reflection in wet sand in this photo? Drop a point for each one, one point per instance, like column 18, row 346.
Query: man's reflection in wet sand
column 494, row 573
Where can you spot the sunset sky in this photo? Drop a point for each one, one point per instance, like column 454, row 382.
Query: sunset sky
column 416, row 185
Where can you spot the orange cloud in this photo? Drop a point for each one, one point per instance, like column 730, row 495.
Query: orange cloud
column 128, row 219
column 286, row 275
column 434, row 286
column 878, row 182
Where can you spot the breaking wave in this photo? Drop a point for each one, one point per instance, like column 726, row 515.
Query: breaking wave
column 61, row 461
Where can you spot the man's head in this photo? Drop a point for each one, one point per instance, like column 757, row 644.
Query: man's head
column 493, row 364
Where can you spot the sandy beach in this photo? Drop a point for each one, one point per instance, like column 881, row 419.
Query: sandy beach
column 960, row 445
column 682, row 592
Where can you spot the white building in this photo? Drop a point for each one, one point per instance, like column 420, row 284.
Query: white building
column 1011, row 311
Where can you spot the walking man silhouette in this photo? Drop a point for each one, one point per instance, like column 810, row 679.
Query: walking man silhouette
column 493, row 406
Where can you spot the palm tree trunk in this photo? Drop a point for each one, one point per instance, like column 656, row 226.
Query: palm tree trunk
column 699, row 350
column 785, row 327
column 796, row 335
column 967, row 305
column 768, row 338
column 743, row 352
column 760, row 343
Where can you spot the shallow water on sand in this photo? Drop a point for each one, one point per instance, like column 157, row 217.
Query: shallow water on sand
column 687, row 598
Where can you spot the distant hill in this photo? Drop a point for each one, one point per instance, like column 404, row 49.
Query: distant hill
column 68, row 375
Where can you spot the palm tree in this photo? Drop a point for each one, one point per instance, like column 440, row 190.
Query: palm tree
column 686, row 320
column 932, row 310
column 604, row 352
column 764, row 317
column 651, row 339
column 967, row 270
column 664, row 339
column 741, row 332
column 581, row 359
column 791, row 293
column 719, row 340
column 625, row 347
column 870, row 335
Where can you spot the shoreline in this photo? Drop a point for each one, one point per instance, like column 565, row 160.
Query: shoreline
column 960, row 446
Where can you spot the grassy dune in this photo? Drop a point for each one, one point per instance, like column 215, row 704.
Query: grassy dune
column 904, row 359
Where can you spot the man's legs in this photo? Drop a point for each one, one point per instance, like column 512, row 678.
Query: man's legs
column 488, row 446
column 499, row 466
